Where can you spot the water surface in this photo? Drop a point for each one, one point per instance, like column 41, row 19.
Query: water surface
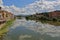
column 32, row 30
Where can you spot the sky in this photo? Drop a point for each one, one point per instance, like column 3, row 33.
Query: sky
column 18, row 3
column 27, row 7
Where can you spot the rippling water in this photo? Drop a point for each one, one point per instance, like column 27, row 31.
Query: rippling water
column 32, row 30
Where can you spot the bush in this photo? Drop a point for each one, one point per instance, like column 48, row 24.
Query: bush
column 54, row 19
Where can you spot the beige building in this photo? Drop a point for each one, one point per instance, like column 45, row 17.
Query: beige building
column 5, row 15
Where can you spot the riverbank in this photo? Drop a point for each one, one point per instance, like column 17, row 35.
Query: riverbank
column 51, row 21
column 56, row 23
column 4, row 27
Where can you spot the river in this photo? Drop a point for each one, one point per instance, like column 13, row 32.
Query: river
column 32, row 30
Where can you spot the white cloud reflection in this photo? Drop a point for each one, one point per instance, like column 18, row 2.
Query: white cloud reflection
column 51, row 30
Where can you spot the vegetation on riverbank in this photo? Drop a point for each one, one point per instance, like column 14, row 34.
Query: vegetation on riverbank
column 56, row 23
column 4, row 29
column 46, row 18
column 6, row 19
column 18, row 16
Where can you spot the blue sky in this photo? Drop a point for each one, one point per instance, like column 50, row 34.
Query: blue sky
column 18, row 3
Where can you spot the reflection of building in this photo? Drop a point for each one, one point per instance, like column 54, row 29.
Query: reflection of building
column 5, row 15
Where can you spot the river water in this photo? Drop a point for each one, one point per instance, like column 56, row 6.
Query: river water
column 32, row 30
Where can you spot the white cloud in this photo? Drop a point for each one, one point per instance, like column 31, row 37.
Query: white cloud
column 44, row 5
column 37, row 6
column 1, row 2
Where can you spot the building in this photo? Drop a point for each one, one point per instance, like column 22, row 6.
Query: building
column 5, row 15
column 54, row 14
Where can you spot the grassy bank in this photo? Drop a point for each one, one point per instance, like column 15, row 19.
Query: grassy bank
column 56, row 23
column 4, row 29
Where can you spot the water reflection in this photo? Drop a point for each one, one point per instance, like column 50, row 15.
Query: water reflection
column 32, row 30
column 19, row 32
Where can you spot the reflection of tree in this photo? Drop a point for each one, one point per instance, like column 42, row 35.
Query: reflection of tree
column 42, row 37
column 1, row 37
